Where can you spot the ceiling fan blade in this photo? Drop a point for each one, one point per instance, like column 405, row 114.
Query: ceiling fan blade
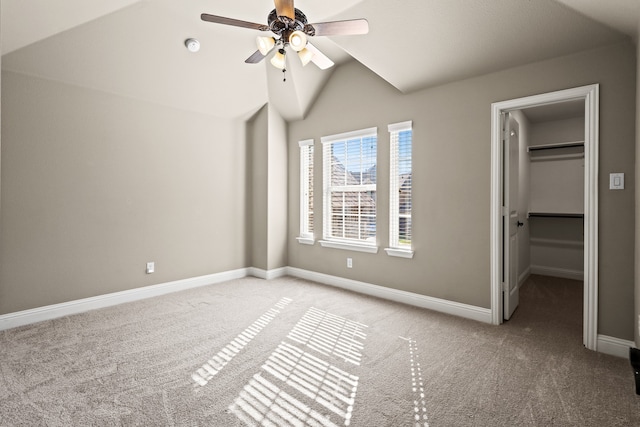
column 319, row 58
column 234, row 22
column 255, row 58
column 341, row 28
column 285, row 8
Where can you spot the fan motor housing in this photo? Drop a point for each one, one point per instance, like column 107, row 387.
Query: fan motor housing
column 281, row 25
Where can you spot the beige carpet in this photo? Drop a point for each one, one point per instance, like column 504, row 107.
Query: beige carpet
column 290, row 352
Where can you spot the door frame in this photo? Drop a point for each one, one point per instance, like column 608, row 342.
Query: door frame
column 590, row 95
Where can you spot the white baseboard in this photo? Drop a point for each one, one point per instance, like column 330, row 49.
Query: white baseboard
column 606, row 344
column 39, row 314
column 267, row 274
column 450, row 307
column 557, row 272
column 614, row 346
column 54, row 311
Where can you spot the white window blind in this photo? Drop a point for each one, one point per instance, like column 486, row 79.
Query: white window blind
column 400, row 185
column 306, row 191
column 349, row 187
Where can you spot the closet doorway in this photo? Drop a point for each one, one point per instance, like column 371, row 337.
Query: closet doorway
column 544, row 197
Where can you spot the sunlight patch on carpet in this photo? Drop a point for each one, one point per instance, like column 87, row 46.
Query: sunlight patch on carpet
column 214, row 365
column 329, row 334
column 297, row 388
column 262, row 402
column 417, row 386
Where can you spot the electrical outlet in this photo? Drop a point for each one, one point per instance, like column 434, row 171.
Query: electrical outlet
column 349, row 263
column 151, row 267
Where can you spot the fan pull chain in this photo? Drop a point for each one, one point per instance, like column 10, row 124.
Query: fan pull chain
column 284, row 70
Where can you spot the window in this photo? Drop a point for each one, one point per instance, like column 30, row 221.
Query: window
column 349, row 190
column 400, row 173
column 306, row 192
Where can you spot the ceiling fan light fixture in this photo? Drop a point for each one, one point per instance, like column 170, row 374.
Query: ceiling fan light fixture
column 290, row 28
column 305, row 56
column 297, row 40
column 265, row 44
column 278, row 59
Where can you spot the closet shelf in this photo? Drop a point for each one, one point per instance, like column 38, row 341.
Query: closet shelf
column 555, row 146
column 554, row 215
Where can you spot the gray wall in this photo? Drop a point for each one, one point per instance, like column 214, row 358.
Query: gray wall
column 267, row 169
column 95, row 185
column 257, row 149
column 0, row 169
column 451, row 179
column 277, row 191
column 636, row 320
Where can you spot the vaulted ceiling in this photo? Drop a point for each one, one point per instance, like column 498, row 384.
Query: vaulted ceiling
column 135, row 48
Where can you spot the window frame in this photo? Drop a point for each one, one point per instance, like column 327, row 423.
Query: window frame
column 395, row 247
column 307, row 154
column 327, row 189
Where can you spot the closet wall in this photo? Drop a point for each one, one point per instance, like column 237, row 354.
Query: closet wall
column 556, row 197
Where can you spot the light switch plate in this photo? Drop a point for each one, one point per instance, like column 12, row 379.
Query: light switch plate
column 616, row 181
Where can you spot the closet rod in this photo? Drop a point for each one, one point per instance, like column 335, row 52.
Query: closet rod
column 556, row 146
column 554, row 215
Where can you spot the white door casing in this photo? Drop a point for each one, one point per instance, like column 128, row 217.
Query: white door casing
column 590, row 95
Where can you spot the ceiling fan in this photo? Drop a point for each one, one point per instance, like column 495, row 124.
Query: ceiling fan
column 291, row 29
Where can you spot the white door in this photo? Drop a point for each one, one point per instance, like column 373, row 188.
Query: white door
column 510, row 219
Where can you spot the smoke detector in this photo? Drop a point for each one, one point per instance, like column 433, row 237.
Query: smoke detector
column 192, row 44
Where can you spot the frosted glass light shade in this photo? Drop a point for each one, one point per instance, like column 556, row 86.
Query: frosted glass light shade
column 265, row 44
column 297, row 40
column 305, row 56
column 278, row 59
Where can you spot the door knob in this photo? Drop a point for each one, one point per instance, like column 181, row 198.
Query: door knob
column 520, row 224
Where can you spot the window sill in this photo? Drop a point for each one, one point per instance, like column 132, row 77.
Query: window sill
column 401, row 253
column 305, row 240
column 349, row 246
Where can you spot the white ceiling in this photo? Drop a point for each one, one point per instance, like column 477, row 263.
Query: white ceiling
column 620, row 14
column 135, row 48
column 27, row 21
